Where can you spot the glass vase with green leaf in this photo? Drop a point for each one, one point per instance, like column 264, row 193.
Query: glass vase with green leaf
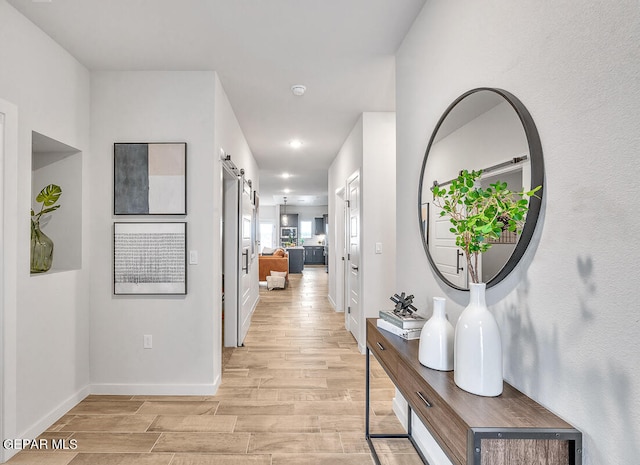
column 41, row 244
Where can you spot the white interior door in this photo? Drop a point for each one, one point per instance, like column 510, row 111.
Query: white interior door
column 230, row 247
column 9, row 214
column 245, row 282
column 338, row 250
column 2, row 413
column 448, row 257
column 354, row 316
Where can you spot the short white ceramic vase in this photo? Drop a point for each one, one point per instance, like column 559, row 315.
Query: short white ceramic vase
column 436, row 339
column 478, row 347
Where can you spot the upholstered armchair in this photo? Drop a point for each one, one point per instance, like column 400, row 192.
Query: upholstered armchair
column 279, row 261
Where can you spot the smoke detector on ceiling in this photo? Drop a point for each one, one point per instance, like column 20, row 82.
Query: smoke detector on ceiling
column 298, row 90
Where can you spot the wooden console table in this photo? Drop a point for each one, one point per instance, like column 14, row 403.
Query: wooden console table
column 472, row 430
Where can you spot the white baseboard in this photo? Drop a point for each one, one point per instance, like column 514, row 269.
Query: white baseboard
column 334, row 305
column 111, row 389
column 156, row 389
column 362, row 348
column 54, row 415
column 425, row 441
column 47, row 420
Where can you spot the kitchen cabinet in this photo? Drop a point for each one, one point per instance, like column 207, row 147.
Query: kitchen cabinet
column 318, row 227
column 314, row 255
column 289, row 220
column 289, row 229
column 296, row 259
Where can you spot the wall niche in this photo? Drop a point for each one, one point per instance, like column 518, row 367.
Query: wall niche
column 53, row 162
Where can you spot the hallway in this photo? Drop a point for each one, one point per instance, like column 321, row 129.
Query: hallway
column 293, row 395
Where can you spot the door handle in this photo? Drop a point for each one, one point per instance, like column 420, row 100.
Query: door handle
column 354, row 267
column 458, row 267
column 245, row 256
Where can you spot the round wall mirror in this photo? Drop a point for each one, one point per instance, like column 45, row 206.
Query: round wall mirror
column 490, row 130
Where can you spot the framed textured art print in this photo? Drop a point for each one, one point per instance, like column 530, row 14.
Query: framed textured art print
column 150, row 178
column 150, row 258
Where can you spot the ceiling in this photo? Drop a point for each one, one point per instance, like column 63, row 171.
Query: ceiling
column 341, row 50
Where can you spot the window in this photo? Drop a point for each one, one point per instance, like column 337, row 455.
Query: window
column 305, row 229
column 266, row 235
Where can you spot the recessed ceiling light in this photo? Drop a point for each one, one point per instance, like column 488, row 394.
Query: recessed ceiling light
column 286, row 191
column 286, row 175
column 295, row 143
column 298, row 90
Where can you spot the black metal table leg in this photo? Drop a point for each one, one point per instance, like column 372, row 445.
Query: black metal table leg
column 369, row 436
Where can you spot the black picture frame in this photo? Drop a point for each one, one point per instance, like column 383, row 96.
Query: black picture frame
column 150, row 178
column 149, row 258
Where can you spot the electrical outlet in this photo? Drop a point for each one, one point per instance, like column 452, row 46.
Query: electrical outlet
column 147, row 341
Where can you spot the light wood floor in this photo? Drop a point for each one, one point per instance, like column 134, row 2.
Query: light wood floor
column 293, row 395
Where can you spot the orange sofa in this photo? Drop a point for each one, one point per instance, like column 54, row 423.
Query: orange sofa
column 279, row 261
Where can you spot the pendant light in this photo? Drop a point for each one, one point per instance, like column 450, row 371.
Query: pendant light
column 285, row 219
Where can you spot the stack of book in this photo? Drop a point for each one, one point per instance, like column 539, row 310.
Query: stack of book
column 407, row 327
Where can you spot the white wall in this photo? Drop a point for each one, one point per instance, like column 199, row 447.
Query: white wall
column 185, row 359
column 229, row 136
column 378, row 194
column 48, row 340
column 568, row 314
column 49, row 313
column 230, row 139
column 491, row 138
column 370, row 148
column 268, row 213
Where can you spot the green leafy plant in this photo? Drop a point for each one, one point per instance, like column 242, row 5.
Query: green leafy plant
column 478, row 215
column 48, row 197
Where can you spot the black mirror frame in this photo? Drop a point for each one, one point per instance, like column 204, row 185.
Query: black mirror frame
column 537, row 179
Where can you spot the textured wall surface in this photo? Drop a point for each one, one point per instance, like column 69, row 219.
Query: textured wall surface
column 46, row 368
column 568, row 314
column 153, row 106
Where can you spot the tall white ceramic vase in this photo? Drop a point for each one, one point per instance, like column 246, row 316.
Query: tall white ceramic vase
column 478, row 347
column 436, row 339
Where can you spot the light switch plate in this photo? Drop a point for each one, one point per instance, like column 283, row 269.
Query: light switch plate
column 193, row 257
column 378, row 247
column 147, row 341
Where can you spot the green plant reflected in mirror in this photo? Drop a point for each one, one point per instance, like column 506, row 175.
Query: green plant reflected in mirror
column 491, row 131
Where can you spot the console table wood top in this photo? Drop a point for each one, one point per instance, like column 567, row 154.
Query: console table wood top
column 459, row 420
